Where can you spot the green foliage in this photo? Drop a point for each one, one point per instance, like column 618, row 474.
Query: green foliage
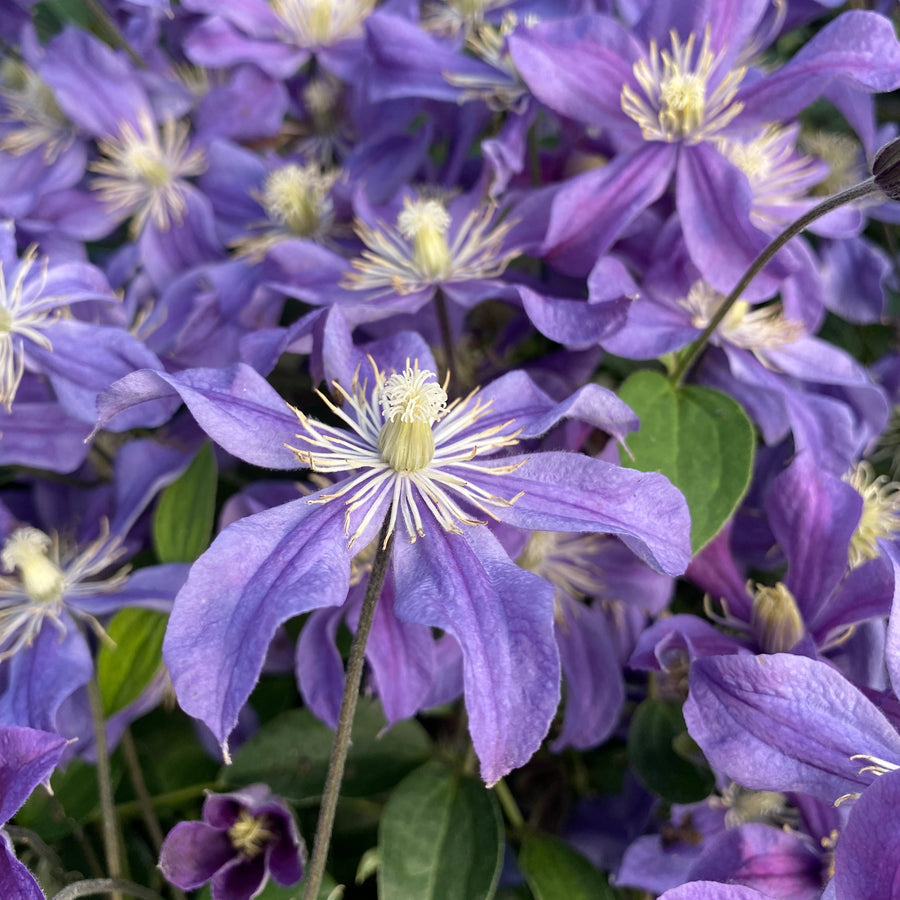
column 556, row 871
column 125, row 669
column 441, row 838
column 290, row 753
column 663, row 755
column 184, row 515
column 700, row 439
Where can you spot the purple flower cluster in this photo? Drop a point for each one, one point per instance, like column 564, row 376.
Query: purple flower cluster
column 404, row 252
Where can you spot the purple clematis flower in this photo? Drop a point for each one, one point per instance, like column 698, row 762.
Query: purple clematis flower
column 785, row 722
column 244, row 837
column 27, row 757
column 438, row 473
column 671, row 88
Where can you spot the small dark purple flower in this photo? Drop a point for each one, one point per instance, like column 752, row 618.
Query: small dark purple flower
column 244, row 837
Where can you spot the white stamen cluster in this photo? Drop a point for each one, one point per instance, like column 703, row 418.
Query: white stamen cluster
column 22, row 316
column 42, row 580
column 141, row 172
column 421, row 252
column 752, row 328
column 390, row 454
column 676, row 104
column 321, row 23
column 880, row 519
column 778, row 175
column 32, row 106
column 567, row 561
column 297, row 203
column 250, row 834
column 455, row 17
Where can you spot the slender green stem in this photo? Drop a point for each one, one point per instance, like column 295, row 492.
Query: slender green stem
column 510, row 807
column 144, row 799
column 109, row 822
column 92, row 887
column 857, row 192
column 341, row 744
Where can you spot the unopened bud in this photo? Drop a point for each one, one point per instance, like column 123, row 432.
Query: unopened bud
column 886, row 169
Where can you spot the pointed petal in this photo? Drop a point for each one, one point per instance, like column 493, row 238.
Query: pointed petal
column 15, row 880
column 27, row 757
column 595, row 691
column 502, row 617
column 573, row 492
column 236, row 407
column 786, row 723
column 259, row 572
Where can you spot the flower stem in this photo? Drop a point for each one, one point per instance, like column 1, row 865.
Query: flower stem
column 348, row 709
column 109, row 822
column 857, row 192
column 509, row 805
column 93, row 887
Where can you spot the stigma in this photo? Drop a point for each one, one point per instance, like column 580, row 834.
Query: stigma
column 141, row 171
column 411, row 403
column 677, row 103
column 26, row 550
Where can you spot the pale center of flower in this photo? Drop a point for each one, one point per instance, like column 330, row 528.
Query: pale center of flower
column 775, row 619
column 296, row 197
column 411, row 403
column 250, row 834
column 320, row 23
column 751, row 328
column 677, row 103
column 880, row 519
column 26, row 550
column 425, row 223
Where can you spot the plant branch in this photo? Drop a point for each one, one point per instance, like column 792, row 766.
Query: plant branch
column 348, row 709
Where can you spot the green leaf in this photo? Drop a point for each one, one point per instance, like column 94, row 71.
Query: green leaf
column 291, row 753
column 556, row 871
column 700, row 439
column 659, row 749
column 124, row 670
column 184, row 515
column 441, row 838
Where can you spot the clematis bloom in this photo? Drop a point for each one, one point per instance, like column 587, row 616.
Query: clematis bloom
column 436, row 469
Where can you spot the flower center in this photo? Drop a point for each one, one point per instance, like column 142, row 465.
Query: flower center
column 775, row 619
column 880, row 517
column 320, row 23
column 140, row 170
column 250, row 834
column 745, row 326
column 677, row 103
column 425, row 223
column 297, row 198
column 26, row 550
column 411, row 403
